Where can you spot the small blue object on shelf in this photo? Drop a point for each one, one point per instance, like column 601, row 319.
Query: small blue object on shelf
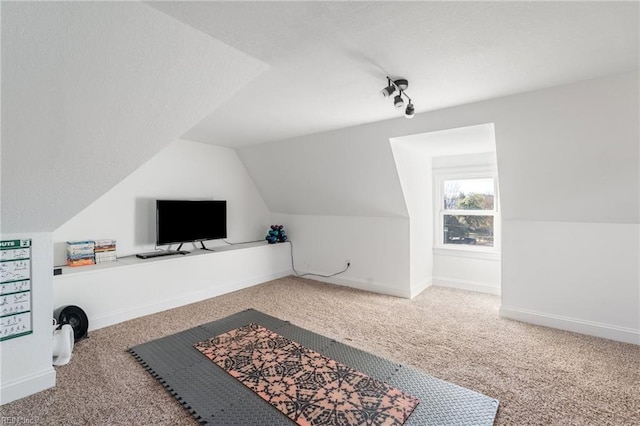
column 276, row 234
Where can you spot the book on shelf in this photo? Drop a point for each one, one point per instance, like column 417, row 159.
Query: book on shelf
column 106, row 256
column 90, row 252
column 80, row 244
column 80, row 252
column 77, row 256
column 105, row 251
column 81, row 262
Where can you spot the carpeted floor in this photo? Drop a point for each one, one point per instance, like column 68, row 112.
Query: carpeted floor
column 541, row 376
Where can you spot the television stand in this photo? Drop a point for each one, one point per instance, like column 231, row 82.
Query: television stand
column 204, row 248
column 152, row 254
column 178, row 251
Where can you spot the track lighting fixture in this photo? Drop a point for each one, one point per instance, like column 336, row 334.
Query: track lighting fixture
column 410, row 111
column 400, row 85
column 388, row 91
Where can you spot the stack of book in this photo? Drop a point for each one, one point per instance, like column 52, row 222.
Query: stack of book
column 80, row 253
column 105, row 251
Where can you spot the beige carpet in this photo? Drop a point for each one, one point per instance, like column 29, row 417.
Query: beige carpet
column 541, row 376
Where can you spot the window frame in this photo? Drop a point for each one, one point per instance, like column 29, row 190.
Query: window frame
column 465, row 173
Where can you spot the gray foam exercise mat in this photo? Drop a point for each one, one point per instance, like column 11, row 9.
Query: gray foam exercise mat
column 214, row 397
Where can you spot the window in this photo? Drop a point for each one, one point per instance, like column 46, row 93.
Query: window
column 467, row 212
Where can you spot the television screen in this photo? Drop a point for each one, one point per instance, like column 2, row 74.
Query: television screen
column 183, row 221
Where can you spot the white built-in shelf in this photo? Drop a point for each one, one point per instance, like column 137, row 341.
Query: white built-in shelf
column 131, row 260
column 131, row 287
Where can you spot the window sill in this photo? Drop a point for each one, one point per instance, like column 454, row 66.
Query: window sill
column 468, row 253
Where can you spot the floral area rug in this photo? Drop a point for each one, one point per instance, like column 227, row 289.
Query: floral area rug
column 306, row 386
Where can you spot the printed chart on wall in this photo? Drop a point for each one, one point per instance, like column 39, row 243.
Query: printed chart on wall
column 15, row 288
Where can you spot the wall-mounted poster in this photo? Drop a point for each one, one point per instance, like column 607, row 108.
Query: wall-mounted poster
column 15, row 288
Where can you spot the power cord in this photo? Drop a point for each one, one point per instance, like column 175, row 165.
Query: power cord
column 312, row 274
column 203, row 247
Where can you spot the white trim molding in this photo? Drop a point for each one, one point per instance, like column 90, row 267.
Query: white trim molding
column 417, row 289
column 359, row 284
column 468, row 254
column 607, row 331
column 27, row 385
column 476, row 286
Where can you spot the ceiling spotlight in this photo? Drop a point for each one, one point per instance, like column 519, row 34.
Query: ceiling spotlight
column 388, row 91
column 410, row 111
column 400, row 85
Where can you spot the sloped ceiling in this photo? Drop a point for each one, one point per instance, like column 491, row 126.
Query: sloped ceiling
column 345, row 172
column 92, row 90
column 328, row 60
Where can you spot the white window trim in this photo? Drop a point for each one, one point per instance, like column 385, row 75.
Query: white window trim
column 469, row 172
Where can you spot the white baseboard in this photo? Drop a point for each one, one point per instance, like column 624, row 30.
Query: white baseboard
column 27, row 385
column 417, row 289
column 480, row 287
column 121, row 315
column 367, row 285
column 620, row 334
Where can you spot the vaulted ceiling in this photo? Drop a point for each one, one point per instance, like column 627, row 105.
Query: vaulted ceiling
column 92, row 90
column 328, row 60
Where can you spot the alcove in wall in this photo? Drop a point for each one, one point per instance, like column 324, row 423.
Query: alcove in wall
column 424, row 161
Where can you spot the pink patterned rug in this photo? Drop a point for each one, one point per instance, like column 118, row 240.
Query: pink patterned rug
column 306, row 386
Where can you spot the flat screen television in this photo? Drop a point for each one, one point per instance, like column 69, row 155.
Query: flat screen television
column 186, row 221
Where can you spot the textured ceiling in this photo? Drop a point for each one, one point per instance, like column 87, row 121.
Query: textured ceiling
column 90, row 91
column 328, row 60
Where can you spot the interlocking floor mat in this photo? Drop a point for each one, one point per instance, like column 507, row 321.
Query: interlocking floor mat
column 306, row 386
column 213, row 396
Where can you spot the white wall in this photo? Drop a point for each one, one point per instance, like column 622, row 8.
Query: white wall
column 183, row 170
column 467, row 272
column 414, row 169
column 569, row 169
column 580, row 276
column 90, row 91
column 376, row 247
column 338, row 195
column 566, row 155
column 25, row 362
column 571, row 153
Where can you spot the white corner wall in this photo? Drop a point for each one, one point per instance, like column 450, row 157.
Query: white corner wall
column 25, row 362
column 414, row 170
column 183, row 170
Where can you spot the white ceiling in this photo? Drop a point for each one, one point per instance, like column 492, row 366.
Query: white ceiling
column 328, row 60
column 458, row 141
